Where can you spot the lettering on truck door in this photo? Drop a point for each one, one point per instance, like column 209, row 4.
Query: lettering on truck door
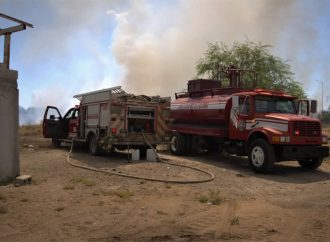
column 240, row 117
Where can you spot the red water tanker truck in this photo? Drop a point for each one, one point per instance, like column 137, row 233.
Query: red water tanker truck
column 266, row 125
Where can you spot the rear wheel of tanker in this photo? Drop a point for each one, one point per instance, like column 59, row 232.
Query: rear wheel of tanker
column 93, row 145
column 178, row 143
column 311, row 163
column 261, row 156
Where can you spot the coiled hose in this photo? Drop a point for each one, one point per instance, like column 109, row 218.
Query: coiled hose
column 210, row 178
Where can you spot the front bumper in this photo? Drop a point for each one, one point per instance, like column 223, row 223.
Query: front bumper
column 301, row 152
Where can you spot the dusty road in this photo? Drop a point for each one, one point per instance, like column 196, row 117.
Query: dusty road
column 64, row 203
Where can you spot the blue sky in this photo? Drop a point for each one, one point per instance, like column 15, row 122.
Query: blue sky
column 151, row 47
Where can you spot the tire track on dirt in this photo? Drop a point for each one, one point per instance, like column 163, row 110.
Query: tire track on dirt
column 309, row 225
column 213, row 221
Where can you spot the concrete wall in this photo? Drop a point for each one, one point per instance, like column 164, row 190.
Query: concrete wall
column 9, row 158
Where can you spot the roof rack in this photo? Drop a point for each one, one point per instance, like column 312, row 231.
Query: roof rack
column 116, row 90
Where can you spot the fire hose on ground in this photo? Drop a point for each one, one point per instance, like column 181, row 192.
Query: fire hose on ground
column 159, row 159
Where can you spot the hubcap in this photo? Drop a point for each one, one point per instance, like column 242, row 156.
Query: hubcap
column 174, row 143
column 258, row 156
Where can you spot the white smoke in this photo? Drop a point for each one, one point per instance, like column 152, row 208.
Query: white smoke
column 31, row 115
column 152, row 47
column 159, row 47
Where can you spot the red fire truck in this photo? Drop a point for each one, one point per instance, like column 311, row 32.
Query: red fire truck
column 268, row 126
column 109, row 119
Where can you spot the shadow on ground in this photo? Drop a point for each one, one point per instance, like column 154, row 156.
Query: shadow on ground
column 284, row 172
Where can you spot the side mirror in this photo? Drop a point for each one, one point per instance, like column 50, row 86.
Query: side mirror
column 307, row 107
column 313, row 106
column 52, row 117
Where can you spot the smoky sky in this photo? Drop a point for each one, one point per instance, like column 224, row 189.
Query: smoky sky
column 151, row 47
column 159, row 47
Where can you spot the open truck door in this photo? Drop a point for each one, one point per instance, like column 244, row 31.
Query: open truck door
column 239, row 115
column 52, row 123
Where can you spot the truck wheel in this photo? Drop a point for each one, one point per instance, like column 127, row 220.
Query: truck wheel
column 311, row 163
column 93, row 145
column 261, row 156
column 177, row 146
column 56, row 143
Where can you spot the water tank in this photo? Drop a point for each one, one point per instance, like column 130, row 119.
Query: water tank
column 203, row 110
column 202, row 84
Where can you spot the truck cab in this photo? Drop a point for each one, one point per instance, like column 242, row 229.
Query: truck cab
column 276, row 130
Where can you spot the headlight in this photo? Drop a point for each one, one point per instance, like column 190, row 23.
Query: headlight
column 282, row 139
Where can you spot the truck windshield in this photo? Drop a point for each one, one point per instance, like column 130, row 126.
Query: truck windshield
column 265, row 104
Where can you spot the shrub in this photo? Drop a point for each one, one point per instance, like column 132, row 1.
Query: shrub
column 213, row 197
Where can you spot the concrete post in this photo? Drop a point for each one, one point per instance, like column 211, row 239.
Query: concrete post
column 6, row 51
column 9, row 157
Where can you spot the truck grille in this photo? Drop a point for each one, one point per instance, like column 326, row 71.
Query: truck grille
column 306, row 129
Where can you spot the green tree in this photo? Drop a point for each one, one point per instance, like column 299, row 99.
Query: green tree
column 272, row 72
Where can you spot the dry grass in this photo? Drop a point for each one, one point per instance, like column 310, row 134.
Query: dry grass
column 159, row 212
column 3, row 209
column 3, row 197
column 68, row 187
column 59, row 209
column 123, row 194
column 30, row 130
column 203, row 199
column 326, row 129
column 234, row 221
column 82, row 180
column 212, row 198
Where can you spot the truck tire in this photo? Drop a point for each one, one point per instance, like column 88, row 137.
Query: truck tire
column 178, row 144
column 261, row 156
column 311, row 163
column 93, row 145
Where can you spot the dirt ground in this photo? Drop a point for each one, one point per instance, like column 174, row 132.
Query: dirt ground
column 64, row 203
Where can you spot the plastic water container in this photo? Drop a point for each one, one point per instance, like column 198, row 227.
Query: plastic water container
column 135, row 154
column 151, row 155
